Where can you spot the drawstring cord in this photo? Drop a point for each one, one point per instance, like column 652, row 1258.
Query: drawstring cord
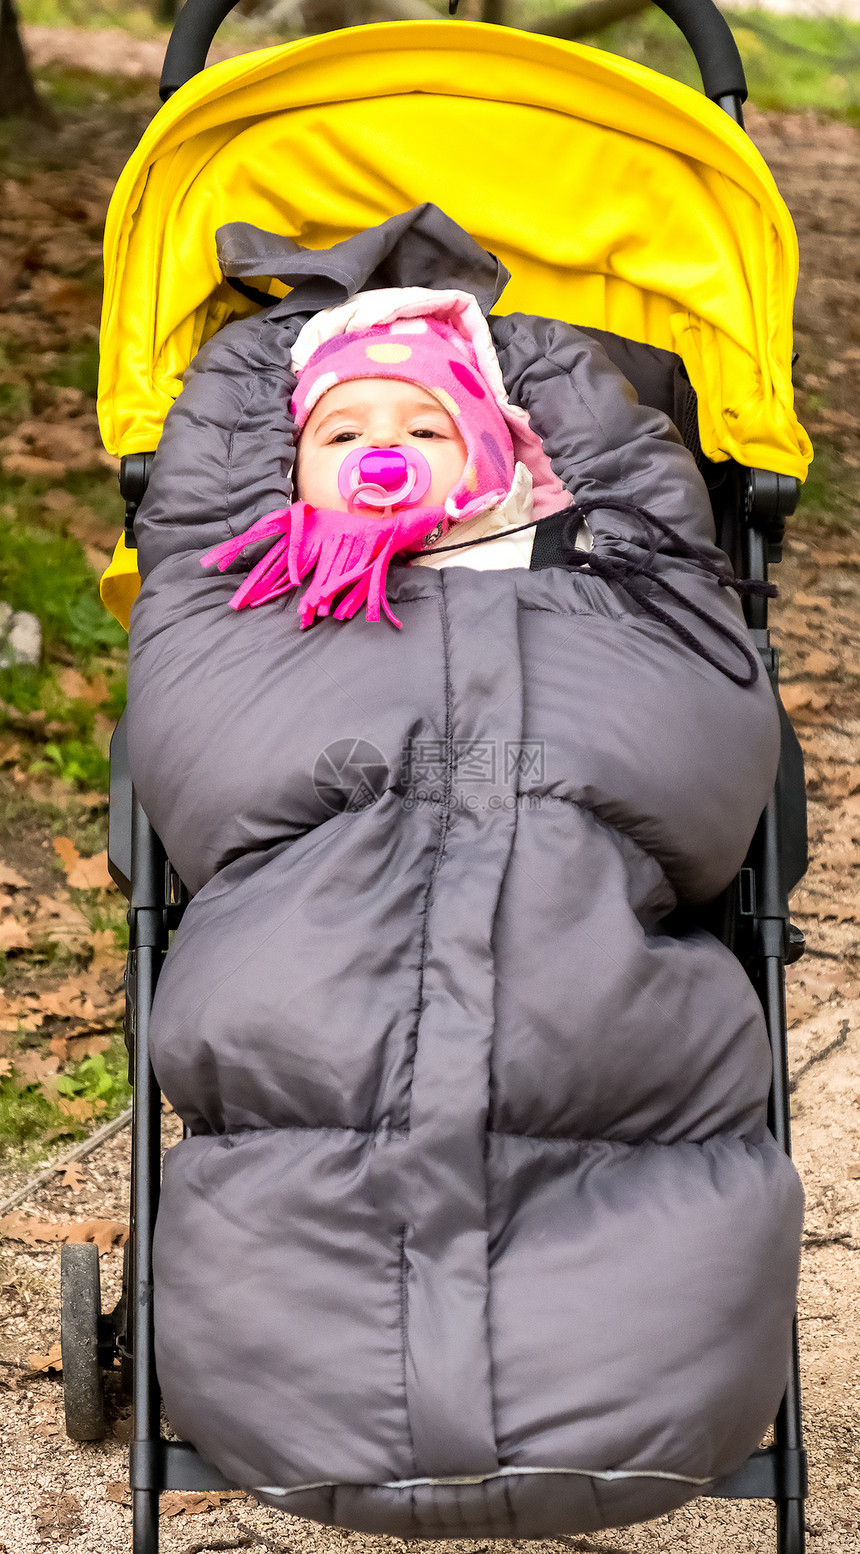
column 627, row 570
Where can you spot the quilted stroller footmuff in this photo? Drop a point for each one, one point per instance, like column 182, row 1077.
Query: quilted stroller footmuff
column 479, row 1229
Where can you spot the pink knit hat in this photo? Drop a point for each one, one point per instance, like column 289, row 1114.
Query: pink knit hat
column 433, row 354
column 441, row 341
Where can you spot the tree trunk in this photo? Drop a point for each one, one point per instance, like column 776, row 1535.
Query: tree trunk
column 18, row 96
column 586, row 19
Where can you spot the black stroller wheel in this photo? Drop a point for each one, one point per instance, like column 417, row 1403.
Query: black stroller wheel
column 80, row 1293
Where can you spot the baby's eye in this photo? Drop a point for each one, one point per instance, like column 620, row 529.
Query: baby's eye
column 426, row 431
column 344, row 437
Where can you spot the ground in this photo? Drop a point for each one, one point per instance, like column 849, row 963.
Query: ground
column 59, row 1492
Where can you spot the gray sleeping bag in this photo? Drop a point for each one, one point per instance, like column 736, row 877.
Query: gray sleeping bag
column 480, row 1231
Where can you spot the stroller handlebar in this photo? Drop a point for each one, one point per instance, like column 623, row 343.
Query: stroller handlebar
column 703, row 25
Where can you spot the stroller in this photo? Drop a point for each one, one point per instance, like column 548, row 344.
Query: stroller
column 271, row 140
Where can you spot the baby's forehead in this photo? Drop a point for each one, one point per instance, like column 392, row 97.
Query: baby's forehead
column 356, row 395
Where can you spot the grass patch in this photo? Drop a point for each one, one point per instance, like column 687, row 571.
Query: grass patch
column 830, row 497
column 78, row 368
column 95, row 14
column 48, row 574
column 29, row 1117
column 791, row 62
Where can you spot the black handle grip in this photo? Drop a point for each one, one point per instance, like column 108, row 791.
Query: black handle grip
column 190, row 42
column 703, row 25
column 710, row 37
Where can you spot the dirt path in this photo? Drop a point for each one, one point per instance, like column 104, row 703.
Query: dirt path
column 57, row 1492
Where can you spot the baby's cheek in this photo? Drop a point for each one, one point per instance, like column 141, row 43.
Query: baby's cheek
column 315, row 479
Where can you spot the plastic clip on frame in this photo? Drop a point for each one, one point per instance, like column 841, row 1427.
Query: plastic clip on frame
column 753, row 520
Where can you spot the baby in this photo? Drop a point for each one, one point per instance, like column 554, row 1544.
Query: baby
column 403, row 430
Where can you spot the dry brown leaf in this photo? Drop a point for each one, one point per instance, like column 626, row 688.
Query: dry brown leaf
column 52, row 1361
column 58, row 1519
column 12, row 879
column 811, row 602
column 24, row 1227
column 74, row 685
column 80, row 998
column 28, row 466
column 177, row 1502
column 118, row 1494
column 78, row 688
column 66, row 851
column 15, row 1012
column 799, row 696
column 34, row 1068
column 91, row 873
column 105, row 1233
column 103, row 728
column 13, row 935
column 819, row 663
column 800, row 1006
column 106, row 956
column 74, row 1176
column 77, row 1107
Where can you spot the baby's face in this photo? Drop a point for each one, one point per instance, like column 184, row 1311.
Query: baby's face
column 376, row 413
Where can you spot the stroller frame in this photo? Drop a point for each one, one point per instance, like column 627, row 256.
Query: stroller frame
column 751, row 917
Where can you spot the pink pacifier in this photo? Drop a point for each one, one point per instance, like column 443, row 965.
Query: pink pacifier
column 384, row 477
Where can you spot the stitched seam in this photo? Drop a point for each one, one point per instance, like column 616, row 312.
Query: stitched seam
column 306, row 1127
column 444, row 822
column 404, row 1326
column 568, row 1139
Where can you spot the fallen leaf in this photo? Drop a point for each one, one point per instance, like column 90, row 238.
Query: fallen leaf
column 103, row 729
column 819, row 663
column 179, row 1503
column 13, row 935
column 18, row 1012
column 811, row 602
column 77, row 1107
column 34, row 1068
column 798, row 696
column 74, row 1176
column 66, row 851
column 58, row 1519
column 52, row 1361
column 800, row 1006
column 12, row 879
column 22, row 1227
column 81, row 998
column 106, row 956
column 104, row 1233
column 78, row 688
column 118, row 1494
column 91, row 874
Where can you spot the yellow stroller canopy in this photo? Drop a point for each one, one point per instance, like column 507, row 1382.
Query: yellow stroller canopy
column 617, row 198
